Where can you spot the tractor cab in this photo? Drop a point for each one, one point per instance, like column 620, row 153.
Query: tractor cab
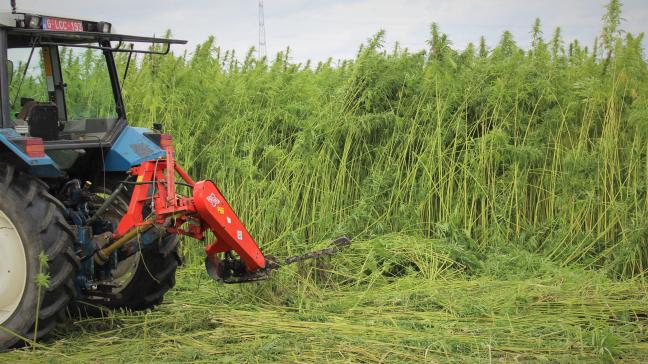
column 48, row 103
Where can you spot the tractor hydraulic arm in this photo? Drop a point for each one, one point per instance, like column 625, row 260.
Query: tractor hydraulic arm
column 206, row 209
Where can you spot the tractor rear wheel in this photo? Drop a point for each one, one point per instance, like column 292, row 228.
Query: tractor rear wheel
column 142, row 279
column 36, row 257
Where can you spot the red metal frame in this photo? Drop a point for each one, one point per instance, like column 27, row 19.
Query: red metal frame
column 205, row 210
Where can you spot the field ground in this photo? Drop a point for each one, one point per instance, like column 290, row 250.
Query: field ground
column 519, row 307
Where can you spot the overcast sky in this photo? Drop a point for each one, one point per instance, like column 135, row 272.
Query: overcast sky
column 319, row 29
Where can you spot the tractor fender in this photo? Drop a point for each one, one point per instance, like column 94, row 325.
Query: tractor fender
column 131, row 148
column 39, row 167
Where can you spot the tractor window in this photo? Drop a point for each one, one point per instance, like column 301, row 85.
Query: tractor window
column 86, row 84
column 88, row 94
column 33, row 84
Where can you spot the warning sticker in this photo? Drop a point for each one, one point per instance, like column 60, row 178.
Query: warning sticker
column 220, row 210
column 213, row 200
column 239, row 234
column 229, row 220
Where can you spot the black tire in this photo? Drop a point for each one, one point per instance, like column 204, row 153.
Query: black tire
column 40, row 223
column 155, row 275
column 155, row 271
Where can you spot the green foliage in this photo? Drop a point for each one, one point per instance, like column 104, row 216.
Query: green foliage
column 611, row 22
column 42, row 282
column 42, row 278
column 497, row 199
column 499, row 144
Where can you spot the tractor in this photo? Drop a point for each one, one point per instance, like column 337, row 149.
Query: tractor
column 90, row 213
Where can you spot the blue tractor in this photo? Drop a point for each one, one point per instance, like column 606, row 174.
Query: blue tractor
column 89, row 211
column 64, row 181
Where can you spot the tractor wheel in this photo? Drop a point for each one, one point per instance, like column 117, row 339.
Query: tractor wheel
column 149, row 275
column 143, row 278
column 32, row 226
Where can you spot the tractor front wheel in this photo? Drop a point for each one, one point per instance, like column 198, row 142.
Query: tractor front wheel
column 37, row 259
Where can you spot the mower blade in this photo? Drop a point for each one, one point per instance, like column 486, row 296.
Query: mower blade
column 336, row 246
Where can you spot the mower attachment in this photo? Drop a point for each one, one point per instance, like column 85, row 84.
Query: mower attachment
column 206, row 209
column 230, row 232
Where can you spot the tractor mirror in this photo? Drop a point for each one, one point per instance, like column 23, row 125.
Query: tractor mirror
column 10, row 70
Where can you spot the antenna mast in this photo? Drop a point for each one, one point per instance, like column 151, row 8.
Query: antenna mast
column 261, row 52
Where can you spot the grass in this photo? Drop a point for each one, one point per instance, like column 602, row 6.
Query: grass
column 334, row 312
column 496, row 198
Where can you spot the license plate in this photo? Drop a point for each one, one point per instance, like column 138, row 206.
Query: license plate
column 63, row 25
